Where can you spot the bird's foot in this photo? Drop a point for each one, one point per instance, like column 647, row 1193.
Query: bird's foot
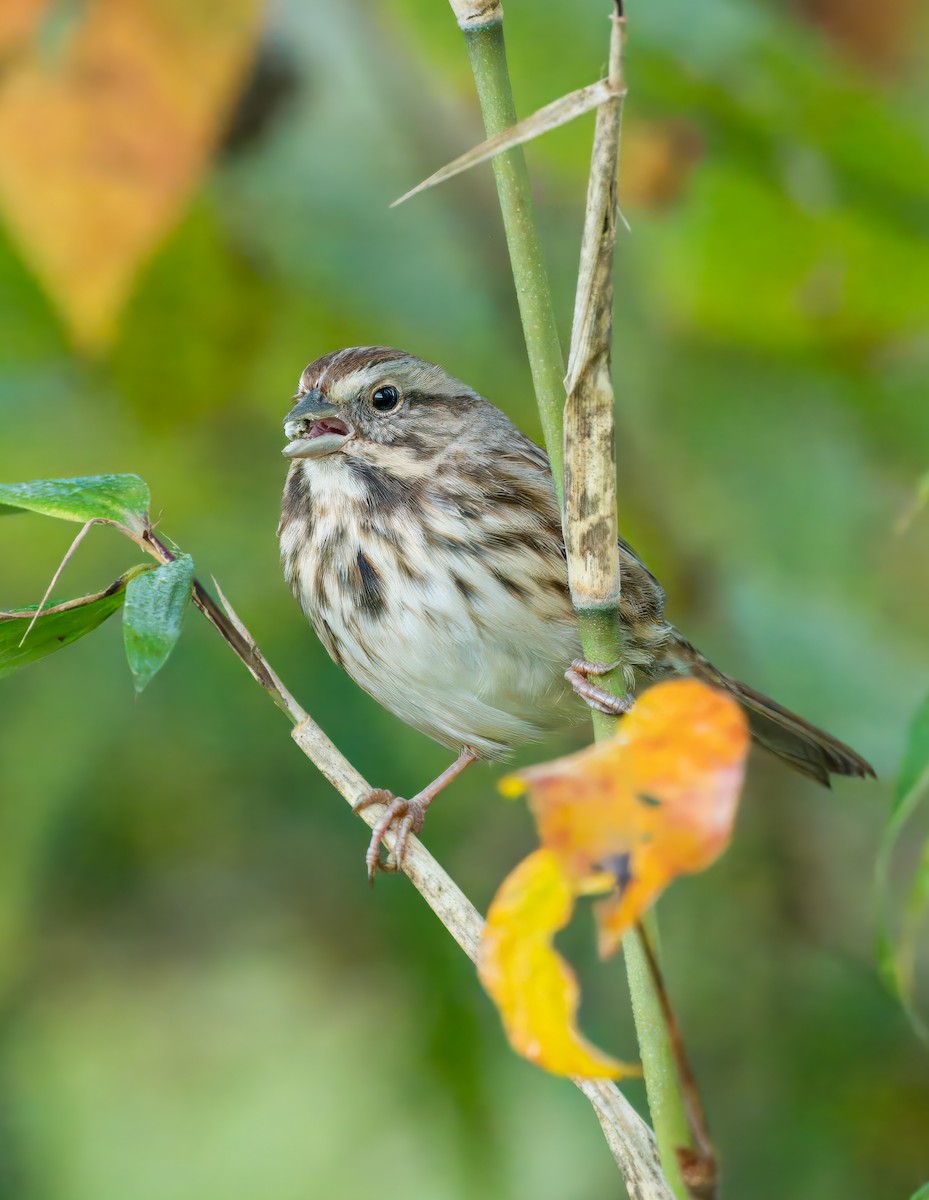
column 578, row 675
column 403, row 816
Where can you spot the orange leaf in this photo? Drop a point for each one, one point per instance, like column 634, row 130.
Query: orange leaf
column 656, row 801
column 103, row 136
column 535, row 989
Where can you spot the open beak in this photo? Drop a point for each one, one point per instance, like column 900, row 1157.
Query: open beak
column 314, row 428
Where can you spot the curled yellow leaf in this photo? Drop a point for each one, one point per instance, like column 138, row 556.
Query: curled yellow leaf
column 534, row 989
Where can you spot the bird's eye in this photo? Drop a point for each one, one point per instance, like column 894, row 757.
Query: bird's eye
column 386, row 398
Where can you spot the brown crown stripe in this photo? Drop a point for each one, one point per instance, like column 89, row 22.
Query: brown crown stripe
column 332, row 367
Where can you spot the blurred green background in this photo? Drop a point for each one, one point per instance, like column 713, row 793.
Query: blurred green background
column 201, row 996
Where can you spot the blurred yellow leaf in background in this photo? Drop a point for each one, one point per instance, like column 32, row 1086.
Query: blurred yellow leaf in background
column 105, row 128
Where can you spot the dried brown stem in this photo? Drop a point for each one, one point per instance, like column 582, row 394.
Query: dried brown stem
column 698, row 1165
column 590, row 459
column 590, row 527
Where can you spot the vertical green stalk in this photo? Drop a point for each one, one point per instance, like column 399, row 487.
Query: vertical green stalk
column 487, row 52
column 665, row 1101
column 600, row 631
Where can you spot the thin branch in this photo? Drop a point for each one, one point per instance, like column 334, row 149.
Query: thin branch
column 238, row 639
column 553, row 115
column 84, row 530
column 66, row 605
column 698, row 1166
column 631, row 1141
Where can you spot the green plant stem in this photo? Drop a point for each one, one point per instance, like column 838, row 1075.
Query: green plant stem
column 600, row 629
column 602, row 642
column 665, row 1100
column 487, row 51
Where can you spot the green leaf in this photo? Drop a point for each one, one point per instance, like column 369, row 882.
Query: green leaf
column 922, row 1194
column 123, row 499
column 59, row 625
column 895, row 956
column 155, row 607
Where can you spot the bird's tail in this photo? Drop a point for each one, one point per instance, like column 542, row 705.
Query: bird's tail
column 807, row 749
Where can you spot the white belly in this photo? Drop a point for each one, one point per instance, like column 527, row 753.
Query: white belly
column 448, row 648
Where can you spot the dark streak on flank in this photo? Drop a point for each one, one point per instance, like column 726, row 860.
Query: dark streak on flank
column 291, row 563
column 461, row 505
column 320, row 592
column 409, row 572
column 370, row 598
column 514, row 588
column 557, row 585
column 374, row 528
column 297, row 500
column 510, row 493
column 331, row 642
column 466, row 591
column 453, row 545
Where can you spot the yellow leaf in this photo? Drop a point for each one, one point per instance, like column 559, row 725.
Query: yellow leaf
column 534, row 989
column 656, row 801
column 104, row 136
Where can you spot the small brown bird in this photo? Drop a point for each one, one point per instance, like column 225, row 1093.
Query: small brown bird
column 421, row 535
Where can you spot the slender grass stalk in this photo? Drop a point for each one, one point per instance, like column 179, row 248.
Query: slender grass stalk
column 665, row 1100
column 585, row 476
column 487, row 52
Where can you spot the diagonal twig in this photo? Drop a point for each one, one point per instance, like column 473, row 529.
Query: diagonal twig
column 551, row 116
column 84, row 530
column 630, row 1140
column 698, row 1164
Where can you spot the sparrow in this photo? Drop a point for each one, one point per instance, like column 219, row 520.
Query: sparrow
column 421, row 534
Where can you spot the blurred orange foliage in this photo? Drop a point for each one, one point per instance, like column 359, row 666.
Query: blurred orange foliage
column 105, row 128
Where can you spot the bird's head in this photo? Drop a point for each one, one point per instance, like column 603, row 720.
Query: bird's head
column 369, row 400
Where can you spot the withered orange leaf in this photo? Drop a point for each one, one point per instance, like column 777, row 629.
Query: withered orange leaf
column 656, row 801
column 534, row 989
column 104, row 131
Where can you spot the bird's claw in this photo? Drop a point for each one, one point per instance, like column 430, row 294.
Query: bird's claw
column 405, row 816
column 578, row 675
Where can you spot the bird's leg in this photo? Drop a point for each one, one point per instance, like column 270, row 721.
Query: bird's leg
column 406, row 815
column 578, row 675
